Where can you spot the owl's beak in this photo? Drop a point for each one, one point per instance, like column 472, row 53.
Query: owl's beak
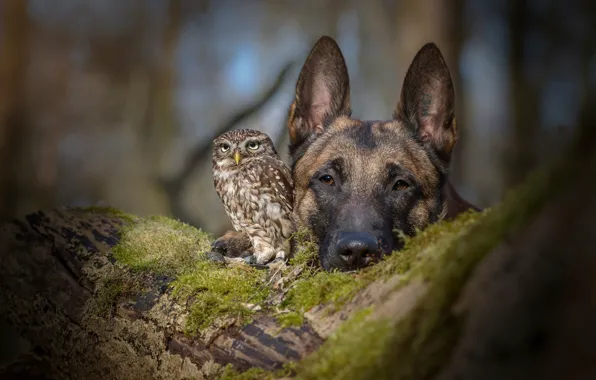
column 237, row 157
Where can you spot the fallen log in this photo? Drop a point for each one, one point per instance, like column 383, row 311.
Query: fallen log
column 502, row 294
column 65, row 291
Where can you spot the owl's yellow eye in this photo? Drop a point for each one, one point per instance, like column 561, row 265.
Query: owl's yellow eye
column 224, row 148
column 254, row 145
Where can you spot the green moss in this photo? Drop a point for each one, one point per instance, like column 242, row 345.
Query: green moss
column 306, row 252
column 353, row 348
column 161, row 245
column 305, row 259
column 428, row 244
column 218, row 291
column 251, row 374
column 321, row 288
column 229, row 373
column 291, row 319
column 313, row 285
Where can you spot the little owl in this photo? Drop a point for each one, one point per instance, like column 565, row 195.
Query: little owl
column 256, row 190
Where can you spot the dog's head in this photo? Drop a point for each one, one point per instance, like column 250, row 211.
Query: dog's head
column 359, row 182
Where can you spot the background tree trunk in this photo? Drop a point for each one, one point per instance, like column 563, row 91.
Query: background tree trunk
column 524, row 100
column 13, row 69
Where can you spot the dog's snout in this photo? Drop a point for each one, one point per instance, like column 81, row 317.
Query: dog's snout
column 358, row 248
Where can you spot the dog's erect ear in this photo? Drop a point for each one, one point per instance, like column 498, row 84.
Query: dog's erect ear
column 322, row 90
column 427, row 100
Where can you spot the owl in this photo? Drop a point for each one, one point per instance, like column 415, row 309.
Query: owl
column 256, row 190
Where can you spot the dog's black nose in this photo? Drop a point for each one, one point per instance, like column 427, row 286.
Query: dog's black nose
column 357, row 248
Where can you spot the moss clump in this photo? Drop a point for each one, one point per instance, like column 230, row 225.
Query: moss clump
column 313, row 286
column 355, row 346
column 306, row 251
column 321, row 288
column 291, row 319
column 229, row 373
column 169, row 247
column 161, row 245
column 220, row 291
column 428, row 244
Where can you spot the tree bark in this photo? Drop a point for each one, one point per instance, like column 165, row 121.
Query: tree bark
column 51, row 263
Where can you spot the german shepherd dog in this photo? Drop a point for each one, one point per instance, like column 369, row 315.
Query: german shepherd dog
column 359, row 182
column 356, row 182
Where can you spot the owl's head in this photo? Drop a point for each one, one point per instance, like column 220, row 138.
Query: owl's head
column 239, row 147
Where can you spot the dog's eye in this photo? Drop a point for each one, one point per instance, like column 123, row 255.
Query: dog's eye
column 400, row 185
column 224, row 147
column 254, row 145
column 327, row 180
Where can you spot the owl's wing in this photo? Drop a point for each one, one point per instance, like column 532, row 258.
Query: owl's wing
column 280, row 179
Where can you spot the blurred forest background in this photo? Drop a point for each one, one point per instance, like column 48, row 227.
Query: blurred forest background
column 116, row 102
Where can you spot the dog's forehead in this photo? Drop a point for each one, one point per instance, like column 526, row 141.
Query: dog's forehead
column 367, row 147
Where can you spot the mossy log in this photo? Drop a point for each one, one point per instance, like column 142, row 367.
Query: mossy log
column 60, row 283
column 503, row 294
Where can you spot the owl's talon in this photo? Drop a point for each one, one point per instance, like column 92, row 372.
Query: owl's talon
column 216, row 257
column 250, row 260
column 234, row 261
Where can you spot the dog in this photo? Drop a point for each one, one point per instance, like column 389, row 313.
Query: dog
column 358, row 183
